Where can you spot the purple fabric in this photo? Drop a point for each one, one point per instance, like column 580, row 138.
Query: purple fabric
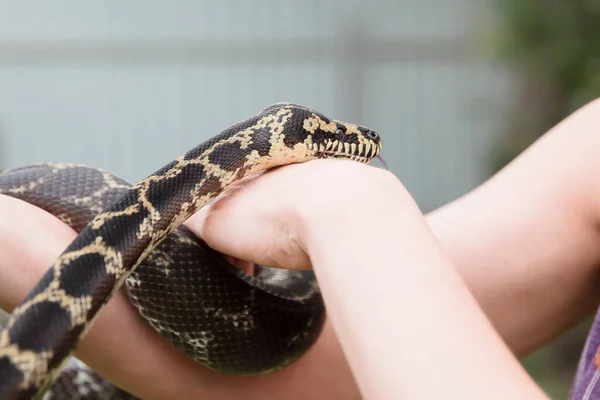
column 586, row 385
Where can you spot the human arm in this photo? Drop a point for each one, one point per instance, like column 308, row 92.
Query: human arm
column 122, row 347
column 527, row 241
column 412, row 356
column 554, row 200
column 408, row 325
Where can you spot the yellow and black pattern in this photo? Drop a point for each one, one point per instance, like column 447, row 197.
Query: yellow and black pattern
column 45, row 328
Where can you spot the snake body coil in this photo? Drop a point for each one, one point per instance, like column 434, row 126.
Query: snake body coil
column 226, row 320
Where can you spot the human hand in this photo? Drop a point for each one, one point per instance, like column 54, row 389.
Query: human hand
column 264, row 219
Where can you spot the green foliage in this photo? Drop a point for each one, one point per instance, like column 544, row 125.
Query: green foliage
column 556, row 38
column 554, row 48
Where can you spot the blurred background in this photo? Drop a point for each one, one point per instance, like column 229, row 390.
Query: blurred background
column 456, row 88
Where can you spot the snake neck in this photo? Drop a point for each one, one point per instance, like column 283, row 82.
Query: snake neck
column 118, row 239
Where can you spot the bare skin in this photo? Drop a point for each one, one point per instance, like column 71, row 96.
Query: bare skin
column 458, row 294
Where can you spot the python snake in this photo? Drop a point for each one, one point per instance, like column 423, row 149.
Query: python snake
column 228, row 321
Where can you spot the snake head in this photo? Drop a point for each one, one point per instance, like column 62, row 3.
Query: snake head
column 348, row 141
column 317, row 136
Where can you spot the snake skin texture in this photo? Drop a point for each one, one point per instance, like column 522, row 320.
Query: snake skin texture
column 131, row 236
column 78, row 382
column 164, row 288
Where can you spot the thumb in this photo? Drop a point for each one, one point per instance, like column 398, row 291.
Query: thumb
column 249, row 231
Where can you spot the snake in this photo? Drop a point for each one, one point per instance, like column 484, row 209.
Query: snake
column 132, row 237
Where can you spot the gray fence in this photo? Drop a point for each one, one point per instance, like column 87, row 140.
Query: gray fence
column 127, row 86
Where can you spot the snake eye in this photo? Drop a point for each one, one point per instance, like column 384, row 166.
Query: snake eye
column 372, row 135
column 339, row 134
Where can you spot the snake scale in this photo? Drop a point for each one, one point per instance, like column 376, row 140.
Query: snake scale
column 131, row 235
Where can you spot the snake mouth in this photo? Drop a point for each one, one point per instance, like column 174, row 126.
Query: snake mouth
column 344, row 149
column 340, row 155
column 367, row 156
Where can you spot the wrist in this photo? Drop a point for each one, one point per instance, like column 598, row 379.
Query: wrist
column 353, row 199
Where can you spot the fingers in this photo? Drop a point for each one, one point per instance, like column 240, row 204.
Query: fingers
column 262, row 219
column 252, row 221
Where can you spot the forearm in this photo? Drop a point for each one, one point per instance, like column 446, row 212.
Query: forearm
column 527, row 241
column 408, row 324
column 22, row 264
